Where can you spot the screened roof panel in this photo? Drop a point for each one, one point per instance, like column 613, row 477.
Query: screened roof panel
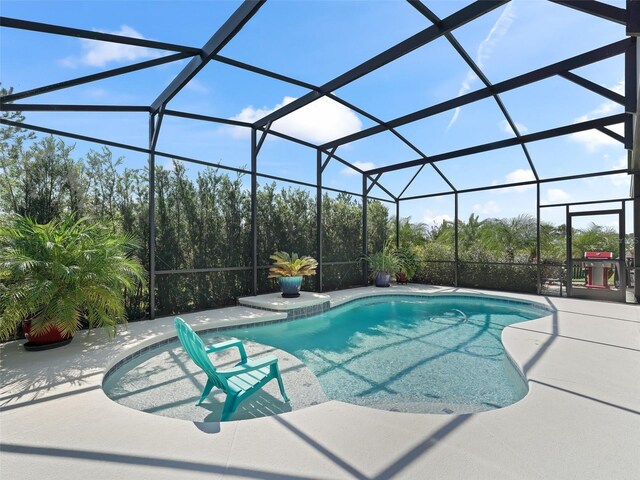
column 497, row 167
column 203, row 17
column 428, row 181
column 429, row 75
column 578, row 153
column 349, row 33
column 318, row 122
column 22, row 75
column 498, row 203
column 608, row 73
column 377, row 192
column 61, row 58
column 339, row 176
column 523, row 36
column 210, row 142
column 555, row 102
column 473, row 124
column 127, row 128
column 376, row 151
column 221, row 90
column 585, row 189
column 287, row 160
column 430, row 211
column 316, row 42
column 444, row 8
column 396, row 180
column 138, row 88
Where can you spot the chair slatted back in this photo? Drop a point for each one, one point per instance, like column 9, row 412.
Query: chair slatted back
column 194, row 346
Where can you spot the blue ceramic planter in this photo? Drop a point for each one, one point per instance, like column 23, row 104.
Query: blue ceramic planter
column 290, row 286
column 381, row 279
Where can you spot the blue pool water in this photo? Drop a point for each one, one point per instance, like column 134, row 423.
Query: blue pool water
column 438, row 354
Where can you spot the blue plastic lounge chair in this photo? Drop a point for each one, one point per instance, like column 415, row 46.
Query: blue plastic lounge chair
column 239, row 382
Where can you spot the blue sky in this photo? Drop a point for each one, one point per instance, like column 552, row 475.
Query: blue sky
column 316, row 41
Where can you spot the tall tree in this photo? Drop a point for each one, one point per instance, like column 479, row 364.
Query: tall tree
column 12, row 143
column 377, row 225
column 43, row 179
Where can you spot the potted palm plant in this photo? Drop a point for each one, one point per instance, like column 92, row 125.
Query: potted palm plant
column 383, row 264
column 289, row 270
column 407, row 265
column 62, row 275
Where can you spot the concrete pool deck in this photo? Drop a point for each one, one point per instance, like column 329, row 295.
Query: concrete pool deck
column 580, row 419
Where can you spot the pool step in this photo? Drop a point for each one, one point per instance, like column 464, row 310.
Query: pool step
column 307, row 304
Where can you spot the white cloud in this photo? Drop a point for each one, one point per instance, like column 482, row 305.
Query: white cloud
column 319, row 121
column 487, row 208
column 98, row 54
column 505, row 127
column 520, row 175
column 517, row 176
column 621, row 180
column 431, row 218
column 361, row 165
column 485, row 50
column 594, row 140
column 557, row 195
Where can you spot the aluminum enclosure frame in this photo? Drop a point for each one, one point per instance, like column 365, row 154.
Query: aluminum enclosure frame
column 327, row 152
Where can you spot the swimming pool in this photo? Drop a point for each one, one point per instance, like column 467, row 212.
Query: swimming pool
column 425, row 354
column 437, row 354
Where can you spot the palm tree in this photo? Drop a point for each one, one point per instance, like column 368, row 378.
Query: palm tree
column 553, row 245
column 471, row 243
column 411, row 234
column 62, row 273
column 594, row 238
column 512, row 236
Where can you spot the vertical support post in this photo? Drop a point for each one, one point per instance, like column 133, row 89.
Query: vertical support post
column 254, row 211
column 398, row 224
column 455, row 241
column 633, row 17
column 622, row 253
column 538, row 269
column 365, row 240
column 569, row 274
column 152, row 220
column 631, row 91
column 631, row 94
column 319, row 219
column 636, row 235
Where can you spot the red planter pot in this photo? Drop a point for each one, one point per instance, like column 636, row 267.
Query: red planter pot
column 51, row 339
column 402, row 278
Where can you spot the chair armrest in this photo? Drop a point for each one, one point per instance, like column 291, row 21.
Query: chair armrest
column 249, row 366
column 216, row 347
